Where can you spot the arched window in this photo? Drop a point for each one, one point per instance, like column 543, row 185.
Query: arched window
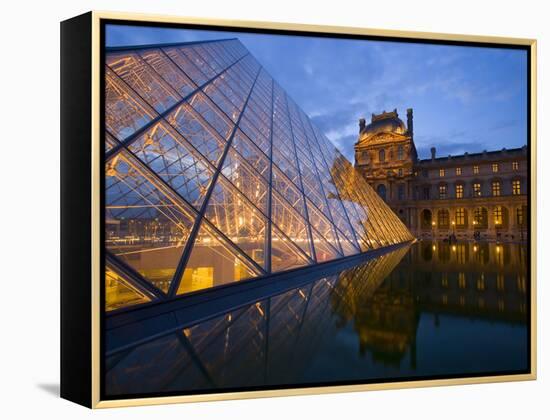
column 382, row 155
column 480, row 218
column 443, row 219
column 500, row 217
column 426, row 219
column 381, row 190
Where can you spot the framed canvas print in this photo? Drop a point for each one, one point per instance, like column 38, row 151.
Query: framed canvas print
column 258, row 209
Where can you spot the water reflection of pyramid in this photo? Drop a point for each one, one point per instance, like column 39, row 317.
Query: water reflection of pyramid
column 214, row 175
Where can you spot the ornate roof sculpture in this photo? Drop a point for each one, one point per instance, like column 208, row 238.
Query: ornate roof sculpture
column 383, row 127
column 213, row 174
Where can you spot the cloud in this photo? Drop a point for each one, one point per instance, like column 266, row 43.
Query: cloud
column 464, row 98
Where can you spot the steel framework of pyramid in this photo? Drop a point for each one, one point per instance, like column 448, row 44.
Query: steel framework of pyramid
column 213, row 174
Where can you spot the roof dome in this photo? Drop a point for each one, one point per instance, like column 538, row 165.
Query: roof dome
column 386, row 122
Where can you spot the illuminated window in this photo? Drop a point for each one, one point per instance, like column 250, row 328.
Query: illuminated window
column 515, row 166
column 443, row 218
column 480, row 218
column 495, row 167
column 400, row 152
column 516, row 187
column 442, row 172
column 442, row 192
column 495, row 187
column 382, row 155
column 460, row 216
column 477, row 189
column 459, row 191
column 497, row 215
column 476, row 169
column 458, row 171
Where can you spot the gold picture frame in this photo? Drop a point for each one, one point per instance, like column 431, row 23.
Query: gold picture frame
column 90, row 393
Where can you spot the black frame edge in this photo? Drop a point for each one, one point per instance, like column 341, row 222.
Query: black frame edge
column 76, row 209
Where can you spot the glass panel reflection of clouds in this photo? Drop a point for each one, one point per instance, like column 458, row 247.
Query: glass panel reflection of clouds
column 210, row 164
column 405, row 314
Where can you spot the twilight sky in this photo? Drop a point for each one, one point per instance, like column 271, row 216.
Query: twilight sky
column 465, row 99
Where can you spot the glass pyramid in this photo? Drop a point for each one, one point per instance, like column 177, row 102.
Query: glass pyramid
column 215, row 175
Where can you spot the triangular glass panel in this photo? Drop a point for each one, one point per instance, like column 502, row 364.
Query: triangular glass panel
column 215, row 93
column 141, row 77
column 290, row 222
column 237, row 219
column 323, row 250
column 322, row 224
column 288, row 190
column 251, row 118
column 186, row 65
column 169, row 71
column 212, row 114
column 250, row 152
column 125, row 113
column 146, row 226
column 174, row 160
column 213, row 262
column 191, row 52
column 246, row 179
column 120, row 293
column 284, row 253
column 198, row 132
column 252, row 132
column 340, row 218
column 313, row 191
column 286, row 166
column 110, row 142
column 348, row 247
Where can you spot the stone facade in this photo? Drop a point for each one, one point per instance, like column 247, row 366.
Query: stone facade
column 474, row 195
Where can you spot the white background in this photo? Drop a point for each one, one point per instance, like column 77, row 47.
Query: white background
column 29, row 220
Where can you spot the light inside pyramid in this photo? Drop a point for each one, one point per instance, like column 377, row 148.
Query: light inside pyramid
column 214, row 175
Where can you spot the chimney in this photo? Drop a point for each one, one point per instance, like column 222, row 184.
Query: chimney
column 432, row 150
column 361, row 125
column 410, row 121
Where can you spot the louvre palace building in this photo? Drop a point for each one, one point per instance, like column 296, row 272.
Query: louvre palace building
column 472, row 196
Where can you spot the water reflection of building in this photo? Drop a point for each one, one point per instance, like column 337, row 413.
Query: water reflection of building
column 213, row 175
column 474, row 192
column 478, row 280
column 273, row 341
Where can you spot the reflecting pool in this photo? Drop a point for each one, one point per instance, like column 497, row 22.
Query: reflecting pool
column 428, row 310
